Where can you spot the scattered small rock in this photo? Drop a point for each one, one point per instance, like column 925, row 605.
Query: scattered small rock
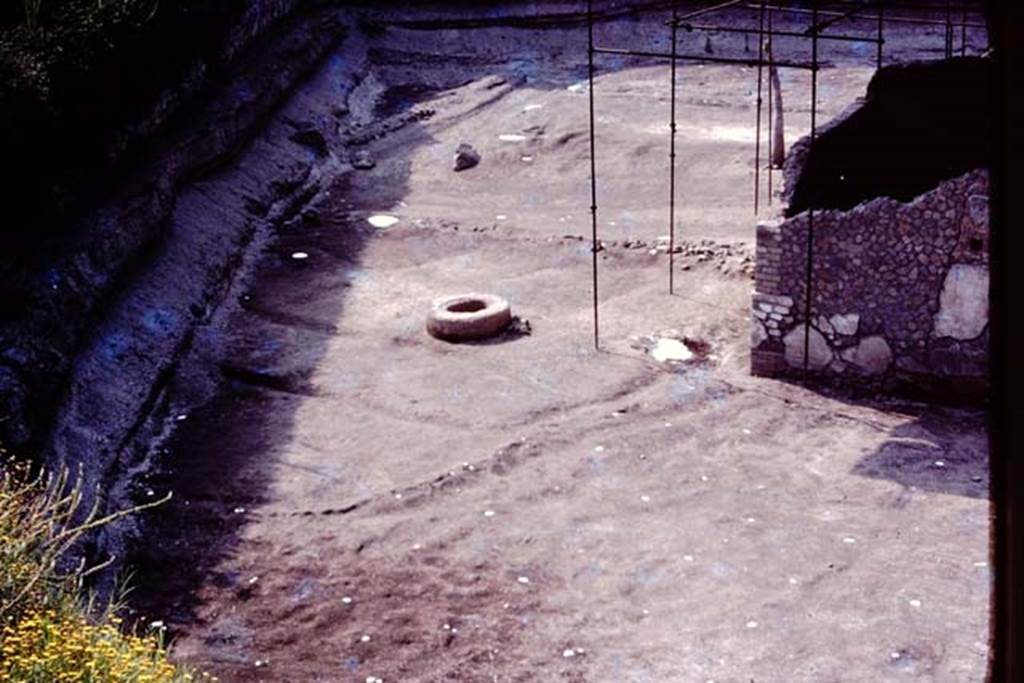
column 465, row 157
column 312, row 138
column 363, row 161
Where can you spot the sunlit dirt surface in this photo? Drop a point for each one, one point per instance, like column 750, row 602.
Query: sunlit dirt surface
column 361, row 500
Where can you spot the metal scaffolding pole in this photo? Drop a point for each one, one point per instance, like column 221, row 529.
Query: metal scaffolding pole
column 784, row 34
column 757, row 134
column 891, row 19
column 693, row 58
column 963, row 33
column 771, row 131
column 881, row 41
column 593, row 161
column 810, row 213
column 949, row 29
column 672, row 159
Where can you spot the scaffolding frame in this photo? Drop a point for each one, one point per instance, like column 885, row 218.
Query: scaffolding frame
column 834, row 12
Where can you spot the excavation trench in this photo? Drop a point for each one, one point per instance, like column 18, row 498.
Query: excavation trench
column 355, row 499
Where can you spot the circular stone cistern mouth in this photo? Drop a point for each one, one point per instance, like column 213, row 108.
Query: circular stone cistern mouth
column 467, row 317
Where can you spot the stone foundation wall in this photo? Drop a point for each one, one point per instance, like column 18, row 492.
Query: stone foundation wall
column 899, row 293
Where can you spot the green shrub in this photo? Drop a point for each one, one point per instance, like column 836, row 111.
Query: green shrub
column 49, row 631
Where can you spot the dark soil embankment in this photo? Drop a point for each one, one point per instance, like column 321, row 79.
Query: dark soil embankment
column 920, row 124
column 85, row 88
column 105, row 111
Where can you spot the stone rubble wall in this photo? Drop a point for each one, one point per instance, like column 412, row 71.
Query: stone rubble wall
column 899, row 292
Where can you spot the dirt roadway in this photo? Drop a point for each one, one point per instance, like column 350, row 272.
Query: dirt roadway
column 360, row 500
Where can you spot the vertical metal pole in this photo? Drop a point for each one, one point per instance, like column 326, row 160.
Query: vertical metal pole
column 963, row 32
column 593, row 162
column 949, row 29
column 672, row 159
column 810, row 213
column 878, row 56
column 771, row 59
column 757, row 134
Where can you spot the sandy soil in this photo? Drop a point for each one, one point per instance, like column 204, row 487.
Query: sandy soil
column 359, row 500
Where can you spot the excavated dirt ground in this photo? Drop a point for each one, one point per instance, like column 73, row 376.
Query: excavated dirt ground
column 359, row 500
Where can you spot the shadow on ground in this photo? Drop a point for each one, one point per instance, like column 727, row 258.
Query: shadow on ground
column 942, row 451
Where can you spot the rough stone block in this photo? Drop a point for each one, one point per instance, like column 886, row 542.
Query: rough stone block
column 872, row 355
column 819, row 354
column 963, row 304
column 845, row 324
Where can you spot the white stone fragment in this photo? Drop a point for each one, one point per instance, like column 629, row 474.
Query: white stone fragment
column 819, row 354
column 382, row 220
column 845, row 324
column 758, row 335
column 963, row 304
column 872, row 355
column 670, row 350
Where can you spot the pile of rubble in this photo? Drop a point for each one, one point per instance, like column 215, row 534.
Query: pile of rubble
column 730, row 258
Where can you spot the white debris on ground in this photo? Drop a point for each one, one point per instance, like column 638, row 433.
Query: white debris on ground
column 381, row 220
column 670, row 350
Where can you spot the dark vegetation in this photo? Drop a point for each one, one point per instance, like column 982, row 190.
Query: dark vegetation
column 920, row 124
column 74, row 81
